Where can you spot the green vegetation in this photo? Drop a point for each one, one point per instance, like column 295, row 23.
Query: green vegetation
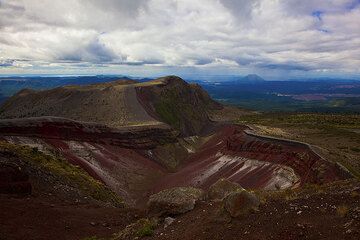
column 142, row 228
column 309, row 119
column 146, row 228
column 174, row 109
column 70, row 174
column 167, row 110
column 337, row 136
column 93, row 238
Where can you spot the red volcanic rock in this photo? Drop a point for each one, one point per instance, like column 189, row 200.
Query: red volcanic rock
column 254, row 162
column 117, row 157
column 126, row 171
column 13, row 180
column 143, row 137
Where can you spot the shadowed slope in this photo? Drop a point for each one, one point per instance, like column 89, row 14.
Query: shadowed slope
column 183, row 106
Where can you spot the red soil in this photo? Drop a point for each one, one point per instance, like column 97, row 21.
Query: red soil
column 140, row 137
column 119, row 158
column 233, row 142
column 125, row 171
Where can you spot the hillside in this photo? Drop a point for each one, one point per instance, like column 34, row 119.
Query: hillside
column 114, row 104
column 179, row 104
column 119, row 103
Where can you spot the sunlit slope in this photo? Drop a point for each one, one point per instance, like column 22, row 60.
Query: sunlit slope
column 114, row 104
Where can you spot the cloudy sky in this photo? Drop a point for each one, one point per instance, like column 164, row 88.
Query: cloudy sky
column 273, row 38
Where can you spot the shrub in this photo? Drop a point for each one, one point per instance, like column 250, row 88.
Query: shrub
column 142, row 228
column 147, row 229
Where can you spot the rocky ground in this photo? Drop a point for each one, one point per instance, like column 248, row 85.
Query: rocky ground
column 327, row 212
column 331, row 212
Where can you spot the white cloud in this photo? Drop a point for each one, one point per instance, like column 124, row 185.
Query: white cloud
column 259, row 35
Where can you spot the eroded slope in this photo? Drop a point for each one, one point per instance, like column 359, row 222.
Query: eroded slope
column 255, row 162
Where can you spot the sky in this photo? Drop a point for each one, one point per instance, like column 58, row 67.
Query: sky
column 276, row 39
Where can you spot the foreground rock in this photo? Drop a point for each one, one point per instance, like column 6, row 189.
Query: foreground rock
column 241, row 203
column 222, row 188
column 174, row 200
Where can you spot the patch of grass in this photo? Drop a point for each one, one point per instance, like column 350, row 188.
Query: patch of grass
column 290, row 194
column 286, row 194
column 310, row 119
column 70, row 174
column 146, row 229
column 168, row 113
column 174, row 108
column 93, row 238
column 142, row 228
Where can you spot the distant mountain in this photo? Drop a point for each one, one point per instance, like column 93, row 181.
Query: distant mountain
column 252, row 78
